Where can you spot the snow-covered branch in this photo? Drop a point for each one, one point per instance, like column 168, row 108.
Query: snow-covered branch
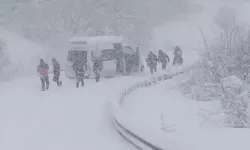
column 80, row 17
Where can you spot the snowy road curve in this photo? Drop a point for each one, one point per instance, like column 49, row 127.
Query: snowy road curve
column 62, row 118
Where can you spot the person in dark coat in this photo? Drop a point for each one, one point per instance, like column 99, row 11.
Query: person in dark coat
column 178, row 60
column 163, row 59
column 79, row 68
column 43, row 70
column 152, row 62
column 97, row 67
column 142, row 68
column 56, row 72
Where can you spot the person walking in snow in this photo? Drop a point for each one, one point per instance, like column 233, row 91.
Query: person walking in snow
column 152, row 62
column 163, row 59
column 79, row 68
column 178, row 56
column 43, row 70
column 56, row 72
column 97, row 69
column 142, row 68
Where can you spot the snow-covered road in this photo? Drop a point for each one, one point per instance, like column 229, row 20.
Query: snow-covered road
column 61, row 118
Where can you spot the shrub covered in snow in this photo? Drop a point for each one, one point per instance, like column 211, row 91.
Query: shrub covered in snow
column 232, row 93
column 199, row 86
column 235, row 102
column 225, row 71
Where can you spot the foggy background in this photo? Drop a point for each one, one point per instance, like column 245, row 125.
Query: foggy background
column 45, row 26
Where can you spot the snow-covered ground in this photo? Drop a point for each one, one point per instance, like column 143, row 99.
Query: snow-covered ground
column 173, row 122
column 61, row 118
column 68, row 118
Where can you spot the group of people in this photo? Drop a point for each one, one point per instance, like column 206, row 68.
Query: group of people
column 79, row 67
column 43, row 70
column 152, row 59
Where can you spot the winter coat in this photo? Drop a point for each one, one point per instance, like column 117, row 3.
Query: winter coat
column 152, row 59
column 56, row 67
column 178, row 51
column 43, row 70
column 163, row 57
column 177, row 60
column 78, row 67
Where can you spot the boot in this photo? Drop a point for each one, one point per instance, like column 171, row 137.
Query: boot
column 42, row 89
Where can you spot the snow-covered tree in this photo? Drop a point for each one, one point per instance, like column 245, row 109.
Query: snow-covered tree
column 134, row 19
column 230, row 59
column 225, row 72
column 230, row 53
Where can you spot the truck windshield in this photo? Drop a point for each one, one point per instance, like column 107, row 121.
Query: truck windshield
column 73, row 55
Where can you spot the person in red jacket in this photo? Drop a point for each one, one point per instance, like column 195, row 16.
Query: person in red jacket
column 43, row 70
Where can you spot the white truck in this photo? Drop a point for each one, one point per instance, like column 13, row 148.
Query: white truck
column 115, row 57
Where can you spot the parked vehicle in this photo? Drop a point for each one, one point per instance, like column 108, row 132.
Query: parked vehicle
column 116, row 58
